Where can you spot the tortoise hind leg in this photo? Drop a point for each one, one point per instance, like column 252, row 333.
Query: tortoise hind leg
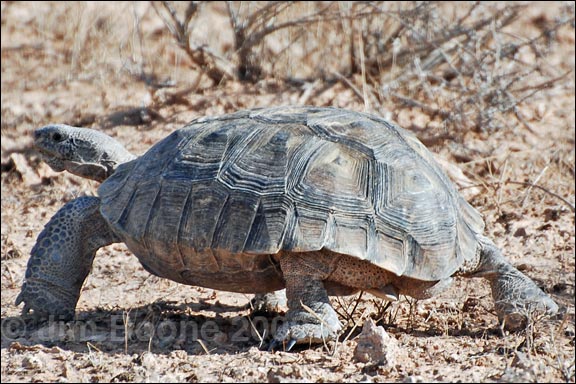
column 62, row 258
column 517, row 298
column 310, row 318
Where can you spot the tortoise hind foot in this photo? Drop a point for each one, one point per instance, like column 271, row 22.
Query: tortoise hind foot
column 316, row 324
column 310, row 318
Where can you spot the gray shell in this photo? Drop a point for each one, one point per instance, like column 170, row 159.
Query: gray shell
column 216, row 198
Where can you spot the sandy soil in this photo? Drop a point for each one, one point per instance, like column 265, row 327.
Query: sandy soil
column 60, row 64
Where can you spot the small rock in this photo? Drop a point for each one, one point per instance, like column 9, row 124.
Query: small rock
column 521, row 232
column 148, row 360
column 32, row 362
column 270, row 302
column 551, row 214
column 375, row 345
column 413, row 379
column 180, row 354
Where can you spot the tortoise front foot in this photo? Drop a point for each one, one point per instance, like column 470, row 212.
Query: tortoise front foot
column 46, row 300
column 303, row 327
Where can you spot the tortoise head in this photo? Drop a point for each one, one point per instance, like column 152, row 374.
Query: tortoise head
column 81, row 151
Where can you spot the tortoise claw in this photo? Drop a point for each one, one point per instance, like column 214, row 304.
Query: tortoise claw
column 286, row 345
column 273, row 346
column 291, row 343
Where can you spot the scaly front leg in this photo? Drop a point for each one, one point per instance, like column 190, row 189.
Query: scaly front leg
column 62, row 258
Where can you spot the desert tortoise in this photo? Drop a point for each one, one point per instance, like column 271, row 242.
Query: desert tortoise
column 320, row 201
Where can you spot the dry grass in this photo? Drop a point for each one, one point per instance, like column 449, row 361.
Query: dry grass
column 463, row 67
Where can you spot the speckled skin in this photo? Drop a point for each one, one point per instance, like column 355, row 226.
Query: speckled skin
column 62, row 258
column 315, row 200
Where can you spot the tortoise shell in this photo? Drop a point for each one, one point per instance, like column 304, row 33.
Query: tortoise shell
column 217, row 202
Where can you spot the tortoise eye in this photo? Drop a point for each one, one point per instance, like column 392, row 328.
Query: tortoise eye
column 56, row 136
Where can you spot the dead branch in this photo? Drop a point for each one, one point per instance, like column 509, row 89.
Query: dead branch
column 206, row 60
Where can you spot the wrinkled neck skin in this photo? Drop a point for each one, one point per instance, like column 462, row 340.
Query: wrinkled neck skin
column 92, row 171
